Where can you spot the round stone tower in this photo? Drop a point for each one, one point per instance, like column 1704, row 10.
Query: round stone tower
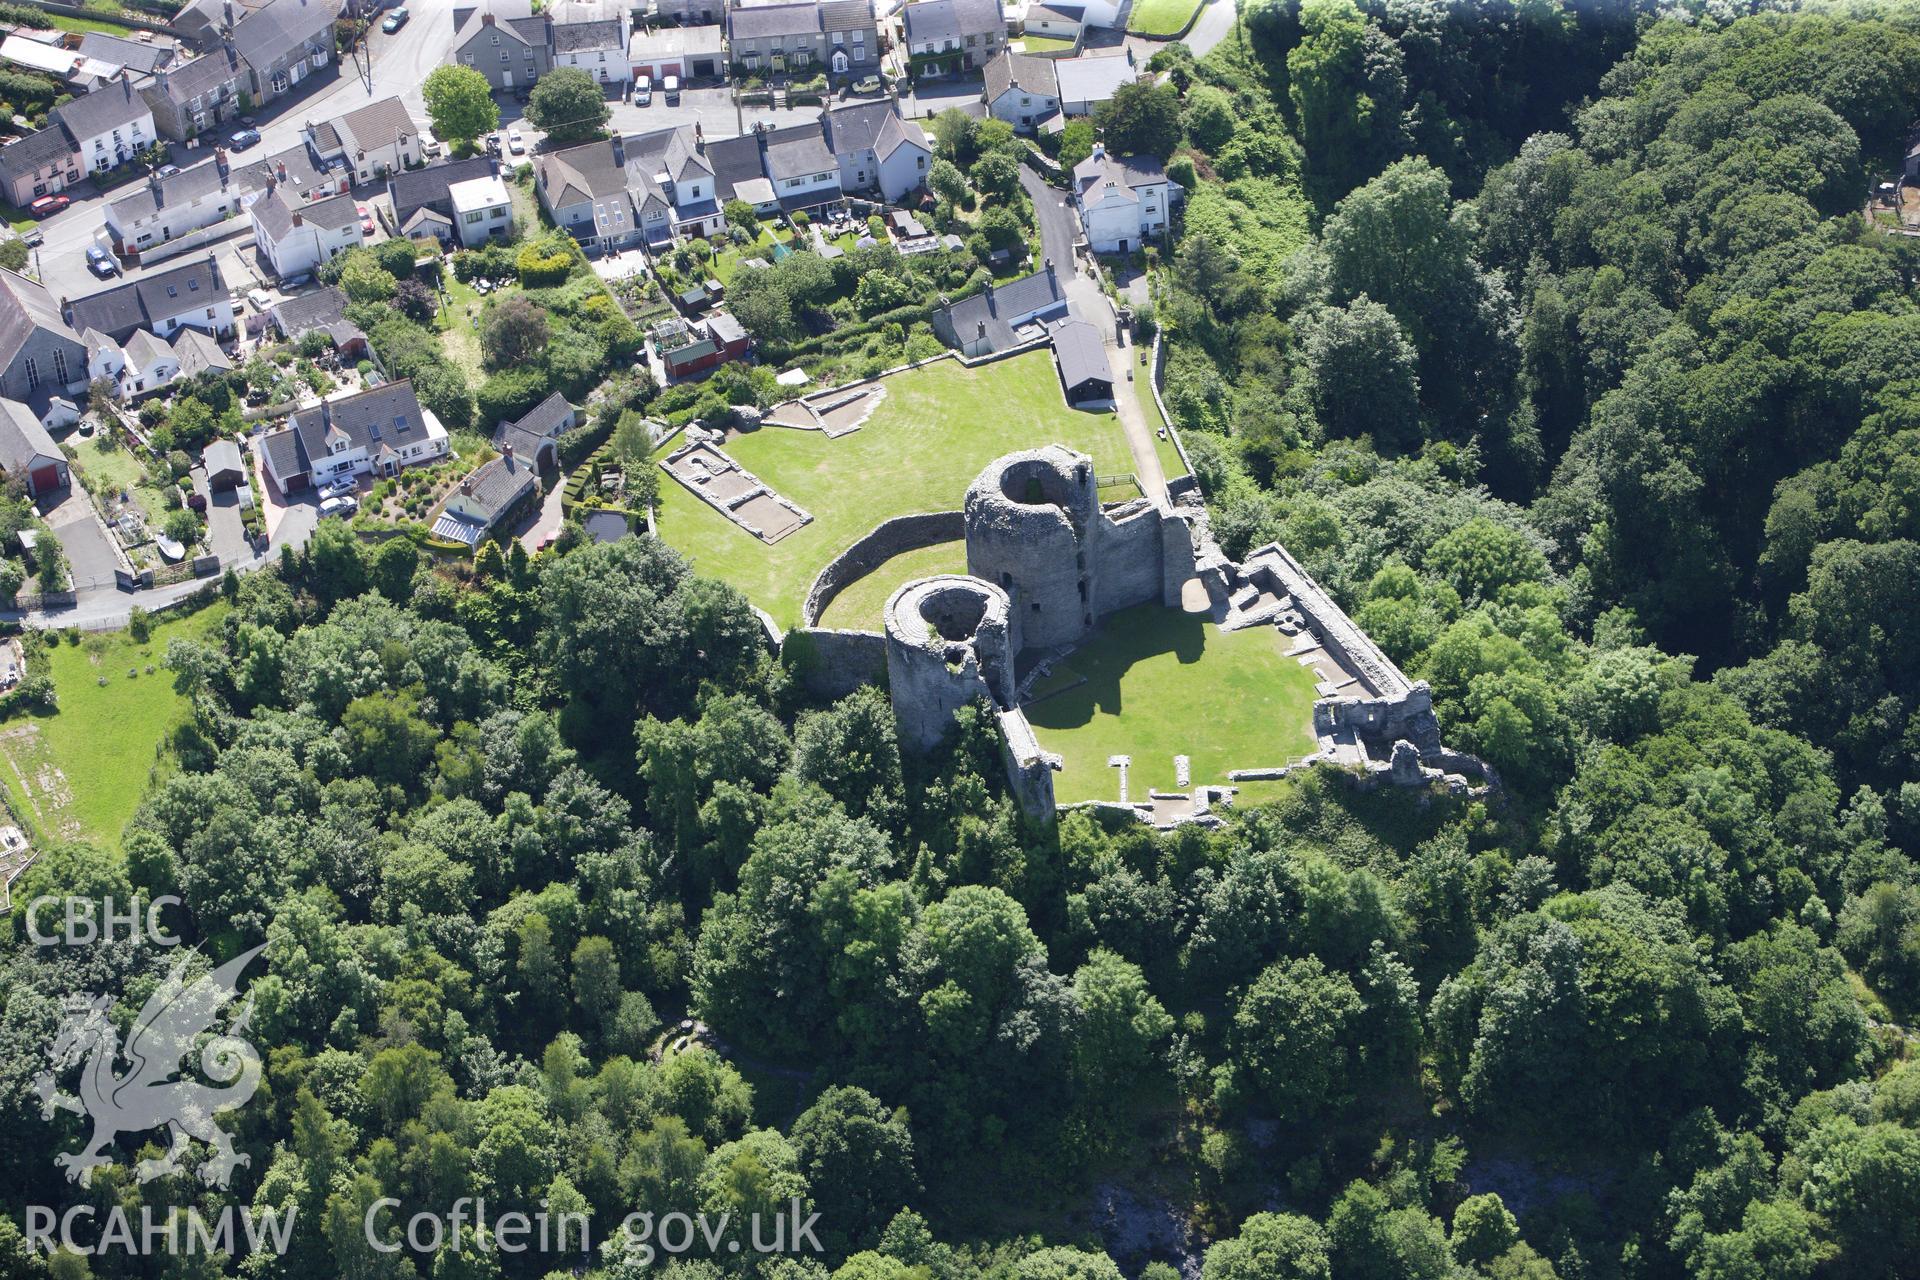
column 1028, row 518
column 948, row 643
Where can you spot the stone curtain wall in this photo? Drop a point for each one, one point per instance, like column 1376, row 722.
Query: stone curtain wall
column 832, row 664
column 888, row 539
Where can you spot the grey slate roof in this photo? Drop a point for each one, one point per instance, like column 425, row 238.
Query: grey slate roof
column 1093, row 77
column 388, row 414
column 942, row 20
column 734, row 160
column 1000, row 306
column 1056, row 13
column 769, row 20
column 135, row 55
column 222, row 455
column 321, row 309
column 36, row 151
column 797, row 151
column 144, row 350
column 276, row 214
column 575, row 37
column 1103, row 171
column 846, row 15
column 378, row 124
column 197, row 353
column 544, row 422
column 293, row 168
column 140, row 304
column 25, row 305
column 1021, row 71
column 275, row 31
column 1079, row 353
column 413, row 188
column 189, row 80
column 283, row 451
column 22, row 438
column 514, row 18
column 114, row 105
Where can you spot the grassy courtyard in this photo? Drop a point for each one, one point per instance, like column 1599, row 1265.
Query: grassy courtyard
column 1156, row 683
column 934, row 432
column 1161, row 17
column 860, row 605
column 80, row 773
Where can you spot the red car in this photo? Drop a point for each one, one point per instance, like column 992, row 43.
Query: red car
column 47, row 206
column 366, row 220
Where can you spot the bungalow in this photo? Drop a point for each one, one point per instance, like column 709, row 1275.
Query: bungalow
column 990, row 320
column 950, row 36
column 482, row 210
column 295, row 238
column 1081, row 358
column 1123, row 201
column 536, row 434
column 1022, row 90
column 379, row 430
column 198, row 353
column 371, row 142
column 27, row 450
column 485, row 498
column 192, row 294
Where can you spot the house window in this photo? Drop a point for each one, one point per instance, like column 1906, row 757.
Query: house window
column 172, row 292
column 503, row 55
column 60, row 368
column 33, row 373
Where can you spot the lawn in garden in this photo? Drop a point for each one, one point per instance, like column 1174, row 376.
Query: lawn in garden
column 936, row 430
column 1037, row 45
column 1154, row 683
column 1161, row 17
column 81, row 772
column 861, row 604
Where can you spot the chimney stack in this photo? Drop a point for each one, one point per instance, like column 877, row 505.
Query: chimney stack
column 298, row 221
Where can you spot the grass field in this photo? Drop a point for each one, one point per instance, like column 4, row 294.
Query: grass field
column 81, row 772
column 1161, row 17
column 934, row 432
column 1156, row 683
column 859, row 606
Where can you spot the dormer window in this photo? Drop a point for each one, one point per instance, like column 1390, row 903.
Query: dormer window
column 172, row 292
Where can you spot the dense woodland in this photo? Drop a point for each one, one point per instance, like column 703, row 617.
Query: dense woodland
column 1557, row 341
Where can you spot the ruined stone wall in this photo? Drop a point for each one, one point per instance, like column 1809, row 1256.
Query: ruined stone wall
column 1125, row 558
column 1026, row 516
column 1029, row 769
column 887, row 539
column 948, row 643
column 832, row 664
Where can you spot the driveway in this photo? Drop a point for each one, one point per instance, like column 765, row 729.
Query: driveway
column 91, row 557
column 226, row 532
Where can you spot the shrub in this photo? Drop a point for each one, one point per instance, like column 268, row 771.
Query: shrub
column 544, row 262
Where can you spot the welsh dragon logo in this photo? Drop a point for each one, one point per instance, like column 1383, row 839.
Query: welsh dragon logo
column 145, row 1095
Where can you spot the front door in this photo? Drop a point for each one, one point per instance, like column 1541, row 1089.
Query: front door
column 506, row 79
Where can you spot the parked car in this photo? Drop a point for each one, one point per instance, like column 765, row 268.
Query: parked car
column 643, row 91
column 343, row 506
column 47, row 206
column 431, row 145
column 339, row 487
column 260, row 299
column 867, row 84
column 493, row 144
column 296, row 282
column 670, row 85
column 515, row 143
column 100, row 262
column 395, row 20
column 244, row 138
column 34, row 238
column 366, row 219
column 166, row 171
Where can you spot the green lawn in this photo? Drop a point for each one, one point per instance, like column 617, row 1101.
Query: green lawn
column 88, row 26
column 459, row 338
column 935, row 431
column 860, row 605
column 1161, row 17
column 1045, row 44
column 1160, row 683
column 82, row 771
